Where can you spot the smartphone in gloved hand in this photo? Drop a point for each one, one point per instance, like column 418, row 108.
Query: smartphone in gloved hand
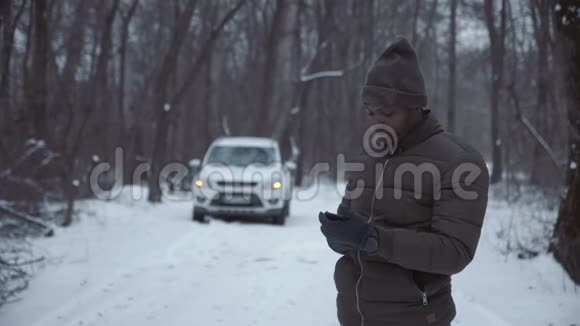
column 335, row 217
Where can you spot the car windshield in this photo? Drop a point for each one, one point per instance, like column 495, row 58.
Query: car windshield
column 241, row 156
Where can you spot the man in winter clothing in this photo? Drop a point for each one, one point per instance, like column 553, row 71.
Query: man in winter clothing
column 413, row 216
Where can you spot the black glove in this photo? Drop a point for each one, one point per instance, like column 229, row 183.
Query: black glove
column 352, row 230
column 339, row 247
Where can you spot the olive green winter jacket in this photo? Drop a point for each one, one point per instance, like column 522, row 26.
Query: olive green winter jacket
column 430, row 199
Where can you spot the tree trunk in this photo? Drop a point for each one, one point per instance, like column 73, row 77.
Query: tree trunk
column 122, row 67
column 541, row 168
column 8, row 25
column 497, row 47
column 98, row 101
column 270, row 65
column 38, row 69
column 125, row 123
column 161, row 103
column 452, row 64
column 7, row 38
column 67, row 77
column 416, row 13
column 566, row 239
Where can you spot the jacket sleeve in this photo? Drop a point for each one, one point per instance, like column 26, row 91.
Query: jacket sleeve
column 344, row 208
column 456, row 223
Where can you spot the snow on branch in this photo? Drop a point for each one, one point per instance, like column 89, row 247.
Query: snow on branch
column 14, row 270
column 48, row 231
column 322, row 74
column 294, row 148
column 226, row 126
column 328, row 73
column 34, row 147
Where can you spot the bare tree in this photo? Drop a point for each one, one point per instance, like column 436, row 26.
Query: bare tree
column 566, row 241
column 163, row 103
column 497, row 50
column 276, row 51
column 126, row 21
column 452, row 64
column 417, row 12
column 40, row 52
column 541, row 23
column 8, row 27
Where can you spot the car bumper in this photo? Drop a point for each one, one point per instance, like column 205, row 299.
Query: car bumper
column 239, row 211
column 216, row 203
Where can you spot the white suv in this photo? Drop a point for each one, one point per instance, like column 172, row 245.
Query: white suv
column 242, row 176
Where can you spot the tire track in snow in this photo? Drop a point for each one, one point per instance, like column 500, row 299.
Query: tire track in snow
column 229, row 274
column 98, row 294
column 470, row 312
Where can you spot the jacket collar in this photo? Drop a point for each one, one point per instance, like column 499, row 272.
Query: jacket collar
column 428, row 127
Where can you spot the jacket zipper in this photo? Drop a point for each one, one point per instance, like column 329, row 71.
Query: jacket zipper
column 362, row 318
column 423, row 292
column 424, row 298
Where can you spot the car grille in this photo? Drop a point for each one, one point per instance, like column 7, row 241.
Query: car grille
column 237, row 183
column 222, row 200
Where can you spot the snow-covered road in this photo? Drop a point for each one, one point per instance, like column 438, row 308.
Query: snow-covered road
column 131, row 263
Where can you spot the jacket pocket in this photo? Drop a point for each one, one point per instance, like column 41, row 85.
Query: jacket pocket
column 389, row 283
column 434, row 283
column 421, row 284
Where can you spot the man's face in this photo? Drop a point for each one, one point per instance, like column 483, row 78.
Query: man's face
column 398, row 118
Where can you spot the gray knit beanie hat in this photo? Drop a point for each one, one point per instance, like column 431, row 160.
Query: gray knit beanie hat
column 395, row 79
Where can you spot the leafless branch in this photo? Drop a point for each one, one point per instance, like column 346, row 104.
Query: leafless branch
column 533, row 131
column 48, row 230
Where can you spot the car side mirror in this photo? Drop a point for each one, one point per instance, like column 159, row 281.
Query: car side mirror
column 194, row 166
column 290, row 165
column 195, row 163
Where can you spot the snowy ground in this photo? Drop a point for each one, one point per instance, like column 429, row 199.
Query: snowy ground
column 131, row 263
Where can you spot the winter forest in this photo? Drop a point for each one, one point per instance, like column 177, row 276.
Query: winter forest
column 139, row 85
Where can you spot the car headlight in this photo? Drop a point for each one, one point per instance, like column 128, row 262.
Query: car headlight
column 199, row 183
column 277, row 185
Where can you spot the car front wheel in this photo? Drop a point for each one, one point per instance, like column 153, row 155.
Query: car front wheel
column 281, row 219
column 198, row 216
